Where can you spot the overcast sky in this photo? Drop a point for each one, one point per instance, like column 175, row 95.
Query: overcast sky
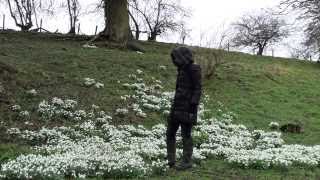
column 208, row 16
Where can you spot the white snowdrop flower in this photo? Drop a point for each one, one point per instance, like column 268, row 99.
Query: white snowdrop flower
column 28, row 123
column 88, row 125
column 166, row 112
column 127, row 85
column 89, row 82
column 274, row 125
column 132, row 76
column 16, row 108
column 32, row 92
column 80, row 113
column 99, row 85
column 139, row 71
column 139, row 80
column 163, row 68
column 70, row 104
column 121, row 111
column 141, row 114
column 124, row 98
column 89, row 46
column 139, row 52
column 13, row 131
column 157, row 86
column 95, row 107
column 24, row 114
column 57, row 101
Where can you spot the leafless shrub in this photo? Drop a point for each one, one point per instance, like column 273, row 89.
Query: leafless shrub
column 209, row 60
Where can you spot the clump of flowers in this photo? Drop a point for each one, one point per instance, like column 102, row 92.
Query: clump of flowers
column 121, row 112
column 88, row 82
column 274, row 125
column 99, row 85
column 139, row 71
column 147, row 97
column 24, row 114
column 16, row 108
column 32, row 92
column 163, row 68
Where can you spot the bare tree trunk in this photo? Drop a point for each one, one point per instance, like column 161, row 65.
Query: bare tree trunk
column 117, row 21
column 260, row 51
column 72, row 23
column 25, row 19
column 137, row 32
column 153, row 36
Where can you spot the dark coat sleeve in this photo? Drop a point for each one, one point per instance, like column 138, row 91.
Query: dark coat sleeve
column 196, row 83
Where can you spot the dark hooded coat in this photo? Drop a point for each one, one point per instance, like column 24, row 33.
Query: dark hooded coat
column 188, row 86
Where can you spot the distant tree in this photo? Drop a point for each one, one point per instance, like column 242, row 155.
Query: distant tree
column 135, row 17
column 259, row 31
column 21, row 12
column 159, row 16
column 309, row 11
column 301, row 52
column 73, row 7
column 184, row 33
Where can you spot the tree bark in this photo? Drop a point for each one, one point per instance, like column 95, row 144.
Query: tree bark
column 137, row 32
column 153, row 36
column 260, row 51
column 117, row 21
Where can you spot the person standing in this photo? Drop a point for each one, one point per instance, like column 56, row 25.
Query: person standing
column 184, row 107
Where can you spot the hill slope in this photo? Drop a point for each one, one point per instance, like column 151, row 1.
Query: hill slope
column 258, row 90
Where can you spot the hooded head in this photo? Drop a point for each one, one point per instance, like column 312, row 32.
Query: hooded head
column 181, row 56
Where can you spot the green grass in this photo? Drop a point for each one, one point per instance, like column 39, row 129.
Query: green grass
column 258, row 90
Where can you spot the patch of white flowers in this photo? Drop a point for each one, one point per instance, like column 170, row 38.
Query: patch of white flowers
column 274, row 125
column 16, row 108
column 147, row 97
column 163, row 68
column 88, row 82
column 122, row 111
column 24, row 114
column 32, row 92
column 94, row 147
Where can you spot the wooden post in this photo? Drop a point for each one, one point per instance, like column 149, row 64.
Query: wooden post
column 228, row 47
column 78, row 28
column 95, row 33
column 4, row 21
column 41, row 25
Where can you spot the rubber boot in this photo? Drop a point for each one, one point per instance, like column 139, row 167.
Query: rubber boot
column 171, row 153
column 186, row 162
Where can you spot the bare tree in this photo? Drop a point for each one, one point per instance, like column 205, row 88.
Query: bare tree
column 160, row 15
column 184, row 33
column 21, row 12
column 309, row 11
column 73, row 11
column 301, row 52
column 259, row 30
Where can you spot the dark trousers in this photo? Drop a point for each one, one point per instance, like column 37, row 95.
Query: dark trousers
column 173, row 126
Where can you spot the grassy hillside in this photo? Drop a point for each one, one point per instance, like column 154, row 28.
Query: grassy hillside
column 258, row 90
